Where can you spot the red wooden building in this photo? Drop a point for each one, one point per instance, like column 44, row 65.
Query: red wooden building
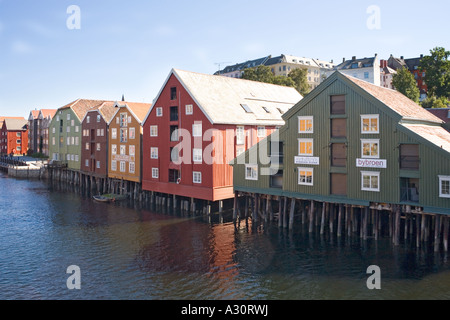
column 198, row 123
column 14, row 136
column 94, row 139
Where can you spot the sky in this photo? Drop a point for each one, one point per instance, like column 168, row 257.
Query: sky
column 53, row 52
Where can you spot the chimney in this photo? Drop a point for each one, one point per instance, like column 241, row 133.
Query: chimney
column 401, row 58
column 354, row 58
column 421, row 56
column 343, row 60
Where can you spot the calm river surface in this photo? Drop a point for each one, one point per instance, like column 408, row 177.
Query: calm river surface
column 128, row 253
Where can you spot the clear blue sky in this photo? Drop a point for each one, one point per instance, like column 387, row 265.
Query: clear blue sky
column 129, row 47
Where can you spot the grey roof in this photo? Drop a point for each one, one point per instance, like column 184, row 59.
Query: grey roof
column 223, row 99
column 356, row 64
column 16, row 124
column 244, row 65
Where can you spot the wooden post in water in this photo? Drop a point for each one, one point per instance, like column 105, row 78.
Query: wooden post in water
column 397, row 226
column 339, row 230
column 291, row 214
column 311, row 216
column 322, row 220
column 256, row 211
column 280, row 212
column 437, row 232
column 445, row 235
column 285, row 212
column 235, row 207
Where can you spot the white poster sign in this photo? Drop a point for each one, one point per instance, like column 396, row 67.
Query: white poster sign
column 307, row 160
column 371, row 163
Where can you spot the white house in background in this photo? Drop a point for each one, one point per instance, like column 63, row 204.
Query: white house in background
column 367, row 69
column 386, row 74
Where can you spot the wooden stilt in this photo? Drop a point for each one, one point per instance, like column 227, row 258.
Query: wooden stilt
column 322, row 222
column 366, row 218
column 235, row 207
column 437, row 232
column 291, row 214
column 280, row 212
column 256, row 211
column 445, row 233
column 397, row 226
column 285, row 212
column 311, row 216
column 331, row 218
column 339, row 230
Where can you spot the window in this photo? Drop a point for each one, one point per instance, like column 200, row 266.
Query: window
column 154, row 153
column 86, row 163
column 113, row 149
column 76, row 158
column 261, row 133
column 18, row 141
column 68, row 129
column 305, row 124
column 113, row 165
column 251, row 172
column 305, row 176
column 276, row 180
column 132, row 150
column 123, row 135
column 173, row 113
column 87, row 145
column 173, row 93
column 122, row 166
column 370, row 181
column 88, row 119
column 123, row 150
column 153, row 131
column 53, row 141
column 197, row 130
column 131, row 167
column 114, row 133
column 240, row 135
column 197, row 155
column 444, row 186
column 98, row 132
column 77, row 129
column 98, row 164
column 196, row 177
column 409, row 157
column 123, row 120
column 338, row 104
column 159, row 112
column 68, row 116
column 266, row 110
column 189, row 109
column 338, row 128
column 155, row 173
column 370, row 148
column 98, row 118
column 369, row 123
column 305, row 147
column 53, row 130
column 117, row 120
column 246, row 108
column 102, row 132
column 132, row 133
column 98, row 147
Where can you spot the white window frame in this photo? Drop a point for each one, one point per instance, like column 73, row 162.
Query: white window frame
column 153, row 131
column 308, row 118
column 123, row 166
column 114, row 133
column 197, row 155
column 240, row 135
column 306, row 141
column 153, row 153
column 305, row 183
column 197, row 130
column 189, row 109
column 196, row 177
column 370, row 117
column 86, row 163
column 114, row 165
column 123, row 149
column 159, row 111
column 131, row 167
column 370, row 174
column 255, row 169
column 98, row 164
column 132, row 133
column 442, row 179
column 87, row 145
column 155, row 173
column 99, row 146
column 371, row 141
column 98, row 118
column 132, row 150
column 114, row 149
column 261, row 132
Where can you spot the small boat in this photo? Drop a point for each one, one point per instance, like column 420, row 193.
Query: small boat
column 110, row 197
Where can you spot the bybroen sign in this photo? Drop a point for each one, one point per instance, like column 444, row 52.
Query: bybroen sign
column 371, row 163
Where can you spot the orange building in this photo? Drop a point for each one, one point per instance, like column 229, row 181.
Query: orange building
column 125, row 141
column 14, row 136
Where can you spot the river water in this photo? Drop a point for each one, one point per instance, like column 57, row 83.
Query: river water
column 131, row 253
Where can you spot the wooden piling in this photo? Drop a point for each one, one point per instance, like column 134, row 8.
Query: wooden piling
column 291, row 214
column 311, row 216
column 339, row 230
column 322, row 220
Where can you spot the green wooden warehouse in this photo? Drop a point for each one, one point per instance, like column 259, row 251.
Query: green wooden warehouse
column 351, row 154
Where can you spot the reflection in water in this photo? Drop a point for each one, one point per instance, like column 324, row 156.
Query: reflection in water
column 132, row 253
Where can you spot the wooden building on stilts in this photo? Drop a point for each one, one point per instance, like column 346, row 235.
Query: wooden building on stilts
column 352, row 159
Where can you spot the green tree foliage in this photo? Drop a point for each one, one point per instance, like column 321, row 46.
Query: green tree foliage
column 300, row 79
column 434, row 102
column 264, row 74
column 437, row 72
column 405, row 83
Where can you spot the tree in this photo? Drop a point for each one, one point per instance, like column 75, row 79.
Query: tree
column 301, row 81
column 405, row 83
column 296, row 79
column 434, row 102
column 437, row 72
